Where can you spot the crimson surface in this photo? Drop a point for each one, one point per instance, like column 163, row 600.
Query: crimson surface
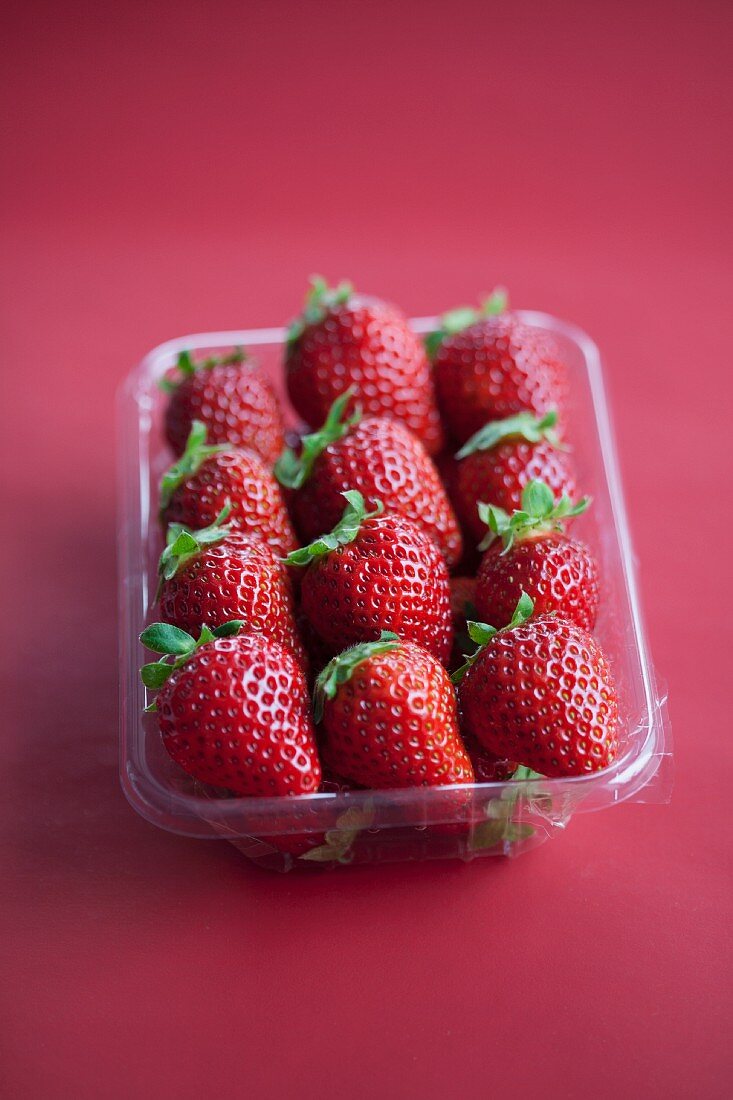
column 183, row 167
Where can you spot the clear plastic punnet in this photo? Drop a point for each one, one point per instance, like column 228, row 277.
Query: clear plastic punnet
column 331, row 829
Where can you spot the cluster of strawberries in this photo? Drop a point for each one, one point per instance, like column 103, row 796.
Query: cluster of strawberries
column 309, row 621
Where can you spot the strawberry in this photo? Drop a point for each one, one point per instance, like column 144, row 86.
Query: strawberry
column 233, row 710
column 375, row 572
column 489, row 365
column 379, row 457
column 211, row 576
column 230, row 396
column 344, row 340
column 499, row 460
column 530, row 553
column 389, row 718
column 205, row 478
column 540, row 692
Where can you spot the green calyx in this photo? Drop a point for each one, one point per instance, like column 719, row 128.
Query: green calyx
column 186, row 366
column 293, row 470
column 502, row 825
column 524, row 425
column 482, row 634
column 341, row 668
column 176, row 647
column 539, row 512
column 464, row 316
column 343, row 533
column 182, row 543
column 320, row 299
column 339, row 841
column 196, row 452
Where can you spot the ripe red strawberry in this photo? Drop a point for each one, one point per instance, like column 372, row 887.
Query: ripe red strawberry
column 196, row 488
column 234, row 711
column 344, row 340
column 497, row 463
column 490, row 365
column 379, row 457
column 530, row 553
column 540, row 692
column 389, row 718
column 376, row 572
column 231, row 397
column 215, row 575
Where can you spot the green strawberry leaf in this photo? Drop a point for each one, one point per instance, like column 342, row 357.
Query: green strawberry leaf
column 518, row 830
column 522, row 612
column 342, row 667
column 173, row 642
column 293, row 470
column 455, row 320
column 500, row 828
column 343, row 533
column 155, row 675
column 537, row 499
column 339, row 841
column 324, row 853
column 540, row 512
column 186, row 366
column 524, row 425
column 230, row 629
column 523, row 772
column 184, row 544
column 483, row 634
column 195, row 453
column 185, row 363
column 164, row 638
column 319, row 300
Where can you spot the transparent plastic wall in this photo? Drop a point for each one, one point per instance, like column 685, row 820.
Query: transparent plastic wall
column 368, row 826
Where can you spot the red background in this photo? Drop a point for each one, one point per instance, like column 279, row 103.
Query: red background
column 171, row 168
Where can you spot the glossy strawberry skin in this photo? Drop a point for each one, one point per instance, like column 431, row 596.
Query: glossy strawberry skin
column 237, row 404
column 237, row 716
column 367, row 344
column 394, row 724
column 391, row 577
column 495, row 368
column 498, row 476
column 557, row 572
column 238, row 578
column 383, row 460
column 242, row 478
column 543, row 694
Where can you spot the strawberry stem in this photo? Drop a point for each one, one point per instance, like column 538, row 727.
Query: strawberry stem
column 187, row 366
column 319, row 301
column 482, row 634
column 171, row 641
column 343, row 533
column 293, row 470
column 195, row 453
column 456, row 320
column 525, row 425
column 339, row 670
column 182, row 543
